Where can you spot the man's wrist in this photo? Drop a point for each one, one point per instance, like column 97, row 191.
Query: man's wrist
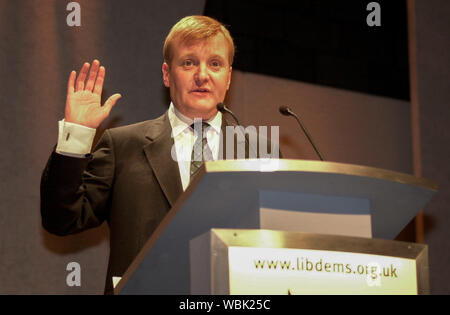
column 74, row 140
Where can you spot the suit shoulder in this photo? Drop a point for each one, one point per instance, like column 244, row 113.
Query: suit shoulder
column 139, row 129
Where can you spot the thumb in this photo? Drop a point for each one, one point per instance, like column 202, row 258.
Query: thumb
column 110, row 102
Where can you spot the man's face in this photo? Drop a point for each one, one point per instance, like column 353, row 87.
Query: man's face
column 199, row 76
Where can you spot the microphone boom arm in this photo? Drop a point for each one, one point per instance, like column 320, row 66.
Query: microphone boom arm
column 287, row 112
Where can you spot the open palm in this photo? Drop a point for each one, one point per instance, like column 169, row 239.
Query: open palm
column 83, row 103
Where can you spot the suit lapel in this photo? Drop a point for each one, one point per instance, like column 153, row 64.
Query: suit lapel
column 158, row 153
column 237, row 141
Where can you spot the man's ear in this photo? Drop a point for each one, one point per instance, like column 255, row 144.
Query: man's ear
column 229, row 78
column 166, row 74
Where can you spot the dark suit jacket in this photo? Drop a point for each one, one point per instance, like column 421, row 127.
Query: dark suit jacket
column 130, row 180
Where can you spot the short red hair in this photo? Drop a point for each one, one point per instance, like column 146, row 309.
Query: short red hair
column 194, row 28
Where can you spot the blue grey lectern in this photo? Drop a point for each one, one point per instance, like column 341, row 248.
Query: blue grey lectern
column 287, row 195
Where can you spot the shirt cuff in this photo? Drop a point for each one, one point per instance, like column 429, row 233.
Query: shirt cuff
column 74, row 140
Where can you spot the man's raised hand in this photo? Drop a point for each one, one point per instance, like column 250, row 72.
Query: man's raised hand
column 83, row 105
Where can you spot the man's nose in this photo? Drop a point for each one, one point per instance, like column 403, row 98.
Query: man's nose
column 201, row 76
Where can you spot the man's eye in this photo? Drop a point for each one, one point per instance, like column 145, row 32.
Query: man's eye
column 215, row 64
column 188, row 63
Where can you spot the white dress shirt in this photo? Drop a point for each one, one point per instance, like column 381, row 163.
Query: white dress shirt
column 76, row 140
column 184, row 139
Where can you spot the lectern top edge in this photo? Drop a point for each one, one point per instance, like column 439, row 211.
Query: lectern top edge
column 285, row 165
column 290, row 239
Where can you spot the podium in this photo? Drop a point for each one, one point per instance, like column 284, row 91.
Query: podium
column 325, row 198
column 264, row 262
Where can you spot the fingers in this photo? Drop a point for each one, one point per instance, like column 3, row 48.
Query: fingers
column 82, row 77
column 110, row 102
column 92, row 76
column 94, row 82
column 88, row 85
column 99, row 82
column 71, row 83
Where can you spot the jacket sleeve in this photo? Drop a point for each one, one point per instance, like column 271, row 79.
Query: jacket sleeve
column 75, row 192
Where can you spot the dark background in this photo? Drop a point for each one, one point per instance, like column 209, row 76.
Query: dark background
column 321, row 42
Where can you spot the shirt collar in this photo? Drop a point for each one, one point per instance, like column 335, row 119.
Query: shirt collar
column 180, row 122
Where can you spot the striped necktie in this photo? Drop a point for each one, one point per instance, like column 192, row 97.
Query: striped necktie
column 200, row 151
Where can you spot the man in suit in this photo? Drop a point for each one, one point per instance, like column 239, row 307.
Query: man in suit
column 136, row 173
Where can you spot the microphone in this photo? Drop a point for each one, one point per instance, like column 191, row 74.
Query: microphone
column 286, row 111
column 223, row 109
